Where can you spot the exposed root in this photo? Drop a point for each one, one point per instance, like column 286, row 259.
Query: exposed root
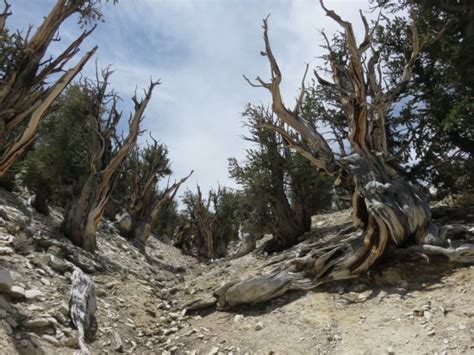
column 463, row 254
column 332, row 258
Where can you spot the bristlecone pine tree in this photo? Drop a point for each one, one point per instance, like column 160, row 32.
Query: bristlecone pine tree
column 149, row 202
column 137, row 192
column 286, row 184
column 24, row 95
column 386, row 208
column 108, row 154
column 214, row 221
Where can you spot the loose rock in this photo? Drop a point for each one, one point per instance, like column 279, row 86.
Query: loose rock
column 17, row 292
column 6, row 281
column 33, row 294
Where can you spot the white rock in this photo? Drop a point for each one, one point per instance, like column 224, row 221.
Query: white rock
column 4, row 324
column 7, row 238
column 259, row 326
column 6, row 251
column 64, row 309
column 37, row 323
column 51, row 340
column 17, row 292
column 59, row 265
column 238, row 318
column 33, row 294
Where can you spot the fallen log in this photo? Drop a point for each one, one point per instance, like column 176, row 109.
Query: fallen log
column 82, row 307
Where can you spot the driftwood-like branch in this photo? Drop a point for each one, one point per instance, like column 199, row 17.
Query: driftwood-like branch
column 82, row 306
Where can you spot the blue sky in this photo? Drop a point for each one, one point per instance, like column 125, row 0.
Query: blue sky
column 199, row 49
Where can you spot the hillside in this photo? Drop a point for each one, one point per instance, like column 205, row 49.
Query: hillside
column 403, row 307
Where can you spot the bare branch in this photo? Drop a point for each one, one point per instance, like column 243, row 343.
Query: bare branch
column 291, row 117
column 367, row 38
column 402, row 85
column 4, row 15
column 299, row 101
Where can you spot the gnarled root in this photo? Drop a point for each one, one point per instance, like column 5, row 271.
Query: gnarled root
column 388, row 210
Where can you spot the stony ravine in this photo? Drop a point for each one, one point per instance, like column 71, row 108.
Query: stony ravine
column 404, row 307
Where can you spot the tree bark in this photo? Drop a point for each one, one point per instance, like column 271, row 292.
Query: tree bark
column 79, row 224
column 287, row 228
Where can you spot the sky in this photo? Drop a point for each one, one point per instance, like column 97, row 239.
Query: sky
column 200, row 49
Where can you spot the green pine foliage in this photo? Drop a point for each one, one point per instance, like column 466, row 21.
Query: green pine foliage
column 60, row 160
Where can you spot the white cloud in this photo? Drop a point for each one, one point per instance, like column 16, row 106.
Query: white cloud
column 200, row 49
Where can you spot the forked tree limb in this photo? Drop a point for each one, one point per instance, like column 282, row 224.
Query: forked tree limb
column 325, row 158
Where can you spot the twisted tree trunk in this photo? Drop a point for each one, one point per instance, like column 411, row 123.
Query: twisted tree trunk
column 386, row 208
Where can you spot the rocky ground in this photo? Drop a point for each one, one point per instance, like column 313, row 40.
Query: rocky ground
column 412, row 306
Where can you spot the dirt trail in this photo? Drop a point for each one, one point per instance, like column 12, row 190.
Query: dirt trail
column 410, row 307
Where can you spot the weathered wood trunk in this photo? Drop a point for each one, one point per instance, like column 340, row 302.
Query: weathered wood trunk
column 385, row 208
column 79, row 223
column 287, row 227
column 247, row 244
column 82, row 307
